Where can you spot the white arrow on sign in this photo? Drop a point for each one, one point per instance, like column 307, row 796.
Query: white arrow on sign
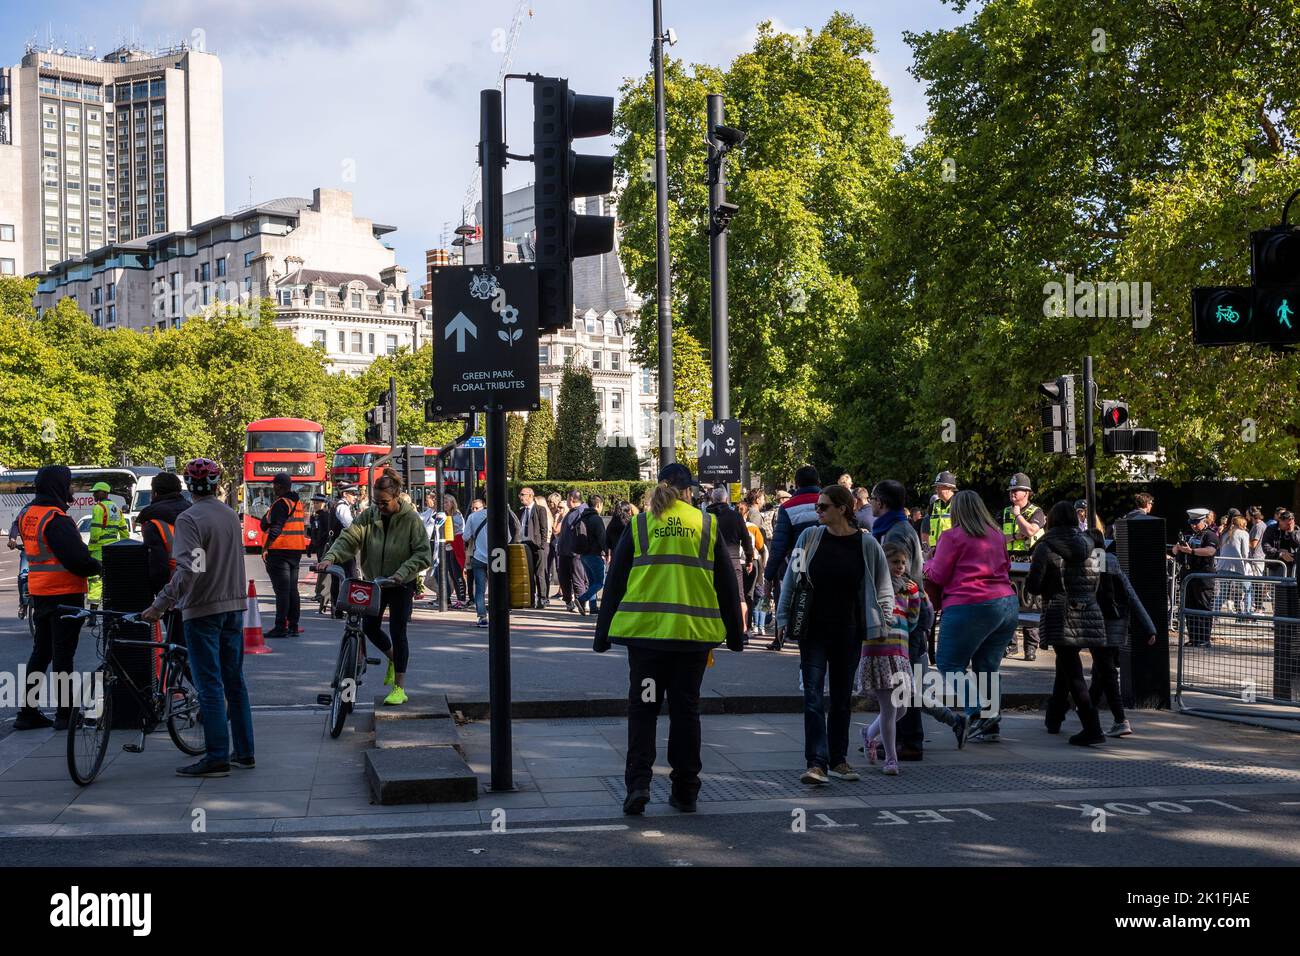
column 706, row 448
column 459, row 326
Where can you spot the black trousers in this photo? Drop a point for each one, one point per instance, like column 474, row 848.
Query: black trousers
column 283, row 572
column 1200, row 597
column 56, row 639
column 573, row 577
column 397, row 601
column 1105, row 680
column 536, row 572
column 455, row 573
column 677, row 674
column 1070, row 685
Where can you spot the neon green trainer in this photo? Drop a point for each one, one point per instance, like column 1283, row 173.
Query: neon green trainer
column 390, row 678
column 396, row 696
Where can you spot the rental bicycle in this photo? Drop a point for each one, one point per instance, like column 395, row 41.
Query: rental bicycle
column 171, row 700
column 357, row 600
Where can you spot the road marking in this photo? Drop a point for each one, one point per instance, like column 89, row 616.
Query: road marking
column 430, row 835
column 829, row 824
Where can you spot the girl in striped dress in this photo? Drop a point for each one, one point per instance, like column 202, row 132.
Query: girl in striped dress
column 884, row 666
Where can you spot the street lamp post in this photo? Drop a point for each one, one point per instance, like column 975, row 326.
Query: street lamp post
column 667, row 429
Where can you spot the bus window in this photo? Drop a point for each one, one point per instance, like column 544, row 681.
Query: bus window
column 286, row 441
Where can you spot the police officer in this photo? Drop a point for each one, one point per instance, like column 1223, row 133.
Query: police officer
column 1022, row 526
column 107, row 526
column 1196, row 550
column 670, row 598
column 939, row 518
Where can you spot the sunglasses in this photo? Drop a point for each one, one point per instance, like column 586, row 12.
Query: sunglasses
column 821, row 507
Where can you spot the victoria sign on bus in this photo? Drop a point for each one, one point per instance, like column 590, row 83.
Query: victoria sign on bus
column 485, row 338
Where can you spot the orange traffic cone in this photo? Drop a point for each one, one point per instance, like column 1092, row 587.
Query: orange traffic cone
column 253, row 643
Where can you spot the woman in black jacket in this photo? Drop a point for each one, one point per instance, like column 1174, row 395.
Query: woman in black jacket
column 1123, row 611
column 1066, row 574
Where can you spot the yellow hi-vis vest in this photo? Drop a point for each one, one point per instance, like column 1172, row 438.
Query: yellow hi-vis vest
column 940, row 520
column 107, row 526
column 670, row 594
column 1010, row 527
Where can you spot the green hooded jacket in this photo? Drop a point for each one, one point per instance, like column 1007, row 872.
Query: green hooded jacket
column 401, row 552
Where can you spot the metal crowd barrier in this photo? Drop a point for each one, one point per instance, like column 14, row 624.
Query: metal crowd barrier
column 1245, row 649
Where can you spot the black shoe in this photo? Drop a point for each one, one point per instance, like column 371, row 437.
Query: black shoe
column 568, row 606
column 243, row 763
column 635, row 803
column 681, row 803
column 960, row 730
column 1086, row 738
column 1010, row 651
column 204, row 768
column 582, row 608
column 1053, row 726
column 1031, row 655
column 33, row 720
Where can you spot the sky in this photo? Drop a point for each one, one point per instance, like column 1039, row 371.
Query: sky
column 380, row 97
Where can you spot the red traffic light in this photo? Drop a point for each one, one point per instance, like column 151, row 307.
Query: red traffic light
column 1114, row 414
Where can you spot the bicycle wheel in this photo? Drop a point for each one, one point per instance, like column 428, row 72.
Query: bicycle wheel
column 88, row 735
column 31, row 620
column 184, row 717
column 344, row 687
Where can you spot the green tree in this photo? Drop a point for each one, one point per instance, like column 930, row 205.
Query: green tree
column 806, row 182
column 539, row 432
column 412, row 371
column 619, row 463
column 576, row 453
column 515, row 425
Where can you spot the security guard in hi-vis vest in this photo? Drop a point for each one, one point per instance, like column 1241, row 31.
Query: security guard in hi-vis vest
column 1022, row 526
column 284, row 529
column 939, row 518
column 107, row 526
column 670, row 598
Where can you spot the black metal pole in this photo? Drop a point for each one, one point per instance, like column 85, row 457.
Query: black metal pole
column 1089, row 442
column 720, row 344
column 493, row 160
column 667, row 418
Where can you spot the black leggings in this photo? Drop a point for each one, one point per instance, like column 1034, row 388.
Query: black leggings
column 1105, row 680
column 1069, row 684
column 397, row 601
column 455, row 573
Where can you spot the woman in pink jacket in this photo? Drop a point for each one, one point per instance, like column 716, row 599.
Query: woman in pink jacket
column 969, row 577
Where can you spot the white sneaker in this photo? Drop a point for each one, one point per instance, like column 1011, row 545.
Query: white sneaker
column 1120, row 729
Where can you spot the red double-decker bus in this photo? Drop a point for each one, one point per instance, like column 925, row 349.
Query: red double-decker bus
column 275, row 445
column 355, row 464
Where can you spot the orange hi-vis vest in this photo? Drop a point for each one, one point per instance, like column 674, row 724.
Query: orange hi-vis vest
column 167, row 533
column 294, row 535
column 46, row 576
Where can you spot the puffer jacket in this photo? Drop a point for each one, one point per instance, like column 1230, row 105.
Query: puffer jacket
column 1065, row 573
column 1121, row 607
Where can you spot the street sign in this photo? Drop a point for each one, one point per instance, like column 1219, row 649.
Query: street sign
column 476, row 441
column 169, row 463
column 485, row 338
column 718, row 450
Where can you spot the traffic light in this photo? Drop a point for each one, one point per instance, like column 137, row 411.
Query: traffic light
column 379, row 429
column 559, row 117
column 1222, row 315
column 1275, row 272
column 1058, row 417
column 1113, row 415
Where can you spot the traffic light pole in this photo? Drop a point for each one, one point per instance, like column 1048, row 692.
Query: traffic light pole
column 1089, row 442
column 720, row 344
column 492, row 159
column 667, row 424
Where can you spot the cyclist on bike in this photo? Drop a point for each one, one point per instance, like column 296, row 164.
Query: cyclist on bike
column 58, row 565
column 209, row 588
column 390, row 541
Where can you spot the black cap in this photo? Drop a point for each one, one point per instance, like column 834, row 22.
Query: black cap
column 345, row 488
column 1081, row 505
column 678, row 475
column 321, row 498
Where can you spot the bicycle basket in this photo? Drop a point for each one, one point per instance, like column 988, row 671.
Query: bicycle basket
column 359, row 597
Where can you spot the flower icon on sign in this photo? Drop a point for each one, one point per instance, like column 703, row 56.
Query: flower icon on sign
column 510, row 315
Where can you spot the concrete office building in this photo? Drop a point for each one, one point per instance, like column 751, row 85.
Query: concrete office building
column 333, row 278
column 96, row 151
column 606, row 311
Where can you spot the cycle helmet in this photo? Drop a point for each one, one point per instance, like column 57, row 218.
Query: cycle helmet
column 202, row 475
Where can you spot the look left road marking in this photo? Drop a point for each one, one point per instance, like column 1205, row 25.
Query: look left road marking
column 430, row 835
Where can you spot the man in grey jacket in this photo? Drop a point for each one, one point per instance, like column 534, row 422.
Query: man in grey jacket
column 209, row 588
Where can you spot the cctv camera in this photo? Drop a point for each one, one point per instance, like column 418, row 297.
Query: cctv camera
column 729, row 136
column 723, row 215
column 672, row 37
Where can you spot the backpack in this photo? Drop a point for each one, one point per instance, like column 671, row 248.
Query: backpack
column 581, row 535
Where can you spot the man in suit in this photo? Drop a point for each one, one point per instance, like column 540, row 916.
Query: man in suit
column 535, row 525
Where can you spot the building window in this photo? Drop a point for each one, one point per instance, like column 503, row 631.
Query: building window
column 390, row 344
column 647, row 380
column 7, row 267
column 248, row 259
column 543, row 355
column 248, row 285
column 546, row 393
column 568, row 354
column 318, row 338
column 319, row 297
column 205, row 272
column 356, row 341
column 595, row 359
column 286, row 297
column 111, row 292
column 616, row 401
column 390, row 306
column 356, row 303
column 370, row 343
column 6, row 233
column 112, row 314
column 616, row 361
column 600, row 400
column 343, row 342
column 648, row 429
column 99, row 316
column 221, row 268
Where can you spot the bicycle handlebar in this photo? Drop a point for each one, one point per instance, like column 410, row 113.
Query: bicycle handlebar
column 81, row 613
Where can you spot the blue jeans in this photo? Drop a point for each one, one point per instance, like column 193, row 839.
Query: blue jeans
column 480, row 573
column 826, row 736
column 976, row 635
column 216, row 646
column 594, row 565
